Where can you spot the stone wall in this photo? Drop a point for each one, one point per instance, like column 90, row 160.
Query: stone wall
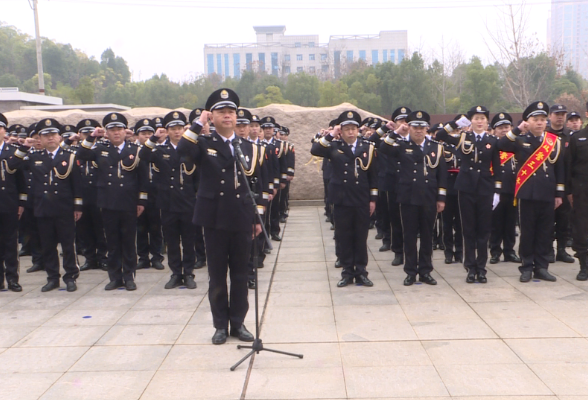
column 303, row 122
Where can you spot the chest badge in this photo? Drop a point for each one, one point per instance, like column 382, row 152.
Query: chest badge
column 488, row 146
column 433, row 154
column 64, row 163
column 131, row 157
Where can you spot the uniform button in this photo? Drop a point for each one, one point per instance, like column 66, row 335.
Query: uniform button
column 111, row 167
column 122, row 176
column 223, row 170
column 345, row 173
column 426, row 181
column 109, row 174
column 222, row 182
column 471, row 168
column 547, row 175
column 239, row 173
column 171, row 186
column 90, row 182
column 56, row 192
column 357, row 182
column 415, row 163
column 121, row 185
column 222, row 193
column 238, row 196
column 344, row 180
column 478, row 170
column 109, row 183
column 346, row 164
column 480, row 162
column 45, row 183
column 172, row 178
column 43, row 192
column 414, row 179
column 173, row 169
column 46, row 175
column 534, row 174
column 414, row 171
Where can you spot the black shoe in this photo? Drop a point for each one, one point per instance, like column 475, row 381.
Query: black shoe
column 471, row 278
column 189, row 282
column 372, row 224
column 494, row 259
column 143, row 264
column 435, row 246
column 50, row 286
column 2, row 287
column 88, row 265
column 385, row 247
column 328, row 219
column 333, row 228
column 114, row 285
column 130, row 285
column 157, row 265
column 364, row 281
column 13, row 286
column 267, row 251
column 562, row 255
column 409, row 280
column 542, row 274
column 582, row 275
column 242, row 334
column 282, row 220
column 251, row 283
column 441, row 246
column 344, row 282
column 276, row 237
column 525, row 276
column 174, row 282
column 200, row 264
column 261, row 265
column 552, row 258
column 458, row 259
column 427, row 278
column 449, row 259
column 35, row 268
column 379, row 236
column 220, row 336
column 512, row 258
column 104, row 266
column 482, row 278
column 398, row 259
column 569, row 242
column 71, row 286
column 24, row 253
column 338, row 264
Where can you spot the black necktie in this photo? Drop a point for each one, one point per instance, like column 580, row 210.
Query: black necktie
column 478, row 138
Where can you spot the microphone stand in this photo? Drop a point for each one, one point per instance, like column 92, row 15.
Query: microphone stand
column 257, row 345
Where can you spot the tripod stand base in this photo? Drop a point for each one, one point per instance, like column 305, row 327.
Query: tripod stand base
column 256, row 347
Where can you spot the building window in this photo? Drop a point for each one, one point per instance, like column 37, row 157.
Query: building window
column 311, row 70
column 219, row 64
column 297, row 44
column 287, row 57
column 311, row 57
column 325, row 69
column 375, row 57
column 310, row 44
column 393, row 56
column 350, row 55
column 275, row 64
column 249, row 61
column 298, row 57
column 362, row 55
column 227, row 70
column 323, row 57
column 237, row 65
column 262, row 61
column 210, row 62
column 299, row 69
column 287, row 70
column 400, row 55
column 384, row 55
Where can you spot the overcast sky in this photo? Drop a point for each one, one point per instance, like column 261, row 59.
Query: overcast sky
column 168, row 36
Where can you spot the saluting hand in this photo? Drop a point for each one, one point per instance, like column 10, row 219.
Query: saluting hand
column 160, row 132
column 391, row 125
column 524, row 126
column 74, row 138
column 336, row 133
column 29, row 142
column 205, row 117
column 402, row 129
column 98, row 132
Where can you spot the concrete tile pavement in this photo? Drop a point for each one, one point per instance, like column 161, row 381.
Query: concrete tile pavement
column 501, row 341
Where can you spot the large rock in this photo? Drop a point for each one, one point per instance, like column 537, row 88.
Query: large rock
column 304, row 123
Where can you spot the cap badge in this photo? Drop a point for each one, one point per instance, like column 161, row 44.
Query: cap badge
column 268, row 119
column 479, row 109
column 540, row 106
column 113, row 117
column 224, row 95
column 88, row 123
column 158, row 120
column 68, row 128
column 559, row 107
column 241, row 113
column 403, row 110
column 145, row 122
column 349, row 114
column 198, row 112
column 419, row 115
column 176, row 115
column 501, row 116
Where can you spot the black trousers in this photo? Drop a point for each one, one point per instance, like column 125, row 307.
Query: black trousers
column 178, row 228
column 580, row 218
column 351, row 232
column 397, row 239
column 120, row 228
column 227, row 251
column 30, row 234
column 91, row 231
column 274, row 214
column 415, row 220
column 199, row 243
column 383, row 218
column 328, row 206
column 536, row 218
column 504, row 223
column 438, row 230
column 284, row 199
column 476, row 224
column 149, row 237
column 452, row 237
column 52, row 231
column 9, row 246
column 562, row 223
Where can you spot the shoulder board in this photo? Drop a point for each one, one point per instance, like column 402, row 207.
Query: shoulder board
column 434, row 141
column 207, row 136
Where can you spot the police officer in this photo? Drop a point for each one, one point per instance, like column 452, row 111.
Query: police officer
column 577, row 189
column 477, row 186
column 122, row 196
column 57, row 200
column 574, row 122
column 557, row 117
column 90, row 225
column 539, row 187
column 504, row 216
column 284, row 135
column 12, row 192
column 224, row 209
column 353, row 191
column 422, row 182
column 176, row 196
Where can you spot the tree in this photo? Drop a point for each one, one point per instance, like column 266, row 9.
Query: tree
column 481, row 85
column 333, row 94
column 303, row 90
column 272, row 95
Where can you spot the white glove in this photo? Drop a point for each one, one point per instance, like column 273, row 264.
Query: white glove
column 495, row 201
column 463, row 122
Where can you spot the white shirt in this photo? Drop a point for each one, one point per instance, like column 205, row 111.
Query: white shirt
column 230, row 140
column 53, row 153
column 480, row 136
column 1, row 145
column 353, row 146
column 121, row 147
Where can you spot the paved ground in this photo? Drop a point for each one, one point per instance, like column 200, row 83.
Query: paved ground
column 500, row 340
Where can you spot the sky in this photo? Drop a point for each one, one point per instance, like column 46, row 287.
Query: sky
column 168, row 36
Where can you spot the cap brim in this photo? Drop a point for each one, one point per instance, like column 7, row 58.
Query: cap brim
column 401, row 116
column 49, row 130
column 536, row 113
column 419, row 124
column 145, row 128
column 243, row 121
column 115, row 125
column 349, row 123
column 502, row 122
column 175, row 122
column 223, row 104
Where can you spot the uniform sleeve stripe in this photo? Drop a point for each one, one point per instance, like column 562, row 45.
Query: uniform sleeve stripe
column 23, row 197
column 498, row 185
column 561, row 187
column 191, row 136
column 324, row 142
column 19, row 153
column 150, row 144
column 78, row 201
column 442, row 192
column 374, row 192
column 511, row 136
column 143, row 196
column 87, row 145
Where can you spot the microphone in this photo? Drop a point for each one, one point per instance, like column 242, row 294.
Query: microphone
column 239, row 153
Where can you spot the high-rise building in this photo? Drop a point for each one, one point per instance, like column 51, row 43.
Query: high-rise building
column 279, row 54
column 568, row 33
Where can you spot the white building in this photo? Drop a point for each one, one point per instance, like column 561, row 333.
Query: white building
column 568, row 33
column 279, row 54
